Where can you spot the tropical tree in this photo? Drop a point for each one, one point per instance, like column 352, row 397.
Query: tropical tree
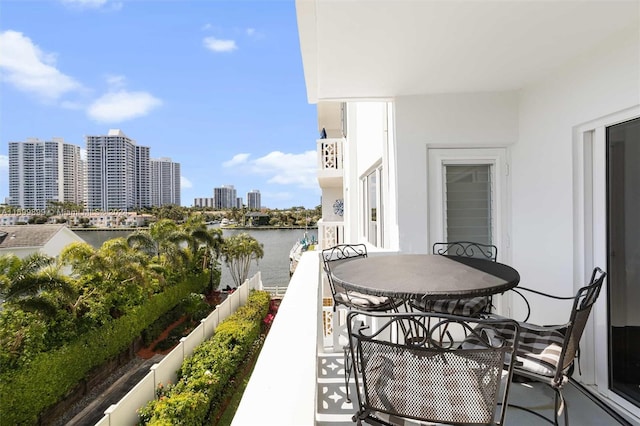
column 164, row 241
column 26, row 282
column 238, row 251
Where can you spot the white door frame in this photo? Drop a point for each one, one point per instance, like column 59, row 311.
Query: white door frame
column 590, row 245
column 497, row 158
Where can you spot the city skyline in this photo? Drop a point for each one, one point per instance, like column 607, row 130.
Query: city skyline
column 113, row 173
column 216, row 86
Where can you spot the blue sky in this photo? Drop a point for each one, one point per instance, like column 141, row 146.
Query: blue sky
column 216, row 86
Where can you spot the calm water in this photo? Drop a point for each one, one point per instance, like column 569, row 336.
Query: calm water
column 274, row 265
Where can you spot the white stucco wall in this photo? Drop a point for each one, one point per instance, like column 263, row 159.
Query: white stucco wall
column 364, row 148
column 602, row 83
column 447, row 121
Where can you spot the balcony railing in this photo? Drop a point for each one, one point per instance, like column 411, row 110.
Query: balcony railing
column 330, row 166
column 330, row 233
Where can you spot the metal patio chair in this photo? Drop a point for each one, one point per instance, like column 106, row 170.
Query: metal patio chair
column 348, row 298
column 547, row 354
column 469, row 307
column 406, row 370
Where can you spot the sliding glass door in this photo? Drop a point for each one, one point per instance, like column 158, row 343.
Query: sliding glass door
column 623, row 224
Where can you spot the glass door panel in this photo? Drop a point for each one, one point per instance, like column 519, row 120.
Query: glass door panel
column 623, row 205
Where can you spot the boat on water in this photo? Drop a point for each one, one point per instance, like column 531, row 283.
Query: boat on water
column 304, row 244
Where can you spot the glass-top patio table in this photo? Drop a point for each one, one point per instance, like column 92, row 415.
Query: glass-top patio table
column 425, row 276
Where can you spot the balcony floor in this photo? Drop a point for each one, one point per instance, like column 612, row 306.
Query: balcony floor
column 332, row 408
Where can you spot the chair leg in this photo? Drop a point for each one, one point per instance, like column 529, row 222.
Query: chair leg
column 560, row 405
column 347, row 370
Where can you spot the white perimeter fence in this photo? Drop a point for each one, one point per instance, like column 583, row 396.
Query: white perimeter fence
column 125, row 411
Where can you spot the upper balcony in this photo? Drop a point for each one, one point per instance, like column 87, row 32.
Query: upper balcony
column 299, row 376
column 330, row 162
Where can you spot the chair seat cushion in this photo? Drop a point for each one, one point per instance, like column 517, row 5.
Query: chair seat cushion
column 363, row 301
column 539, row 348
column 467, row 307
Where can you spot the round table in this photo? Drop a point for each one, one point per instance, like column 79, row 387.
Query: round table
column 425, row 276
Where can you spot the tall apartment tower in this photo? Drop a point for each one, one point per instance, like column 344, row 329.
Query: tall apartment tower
column 165, row 182
column 253, row 200
column 143, row 185
column 42, row 171
column 117, row 172
column 224, row 197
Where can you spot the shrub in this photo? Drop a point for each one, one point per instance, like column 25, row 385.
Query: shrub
column 26, row 392
column 211, row 367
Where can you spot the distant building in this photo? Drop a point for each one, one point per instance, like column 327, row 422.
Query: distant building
column 239, row 202
column 257, row 219
column 165, row 182
column 42, row 171
column 253, row 200
column 225, row 197
column 118, row 174
column 203, row 202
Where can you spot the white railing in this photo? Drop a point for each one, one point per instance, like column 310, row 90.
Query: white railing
column 286, row 368
column 329, row 154
column 330, row 234
column 125, row 411
column 275, row 291
column 330, row 162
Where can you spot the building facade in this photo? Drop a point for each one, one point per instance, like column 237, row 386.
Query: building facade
column 203, row 202
column 165, row 182
column 42, row 171
column 253, row 200
column 117, row 172
column 224, row 197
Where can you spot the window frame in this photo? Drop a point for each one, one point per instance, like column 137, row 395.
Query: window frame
column 377, row 170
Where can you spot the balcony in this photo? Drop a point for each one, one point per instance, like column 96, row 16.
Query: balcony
column 330, row 233
column 330, row 168
column 298, row 378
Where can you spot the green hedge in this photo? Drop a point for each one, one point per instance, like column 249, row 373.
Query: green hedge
column 204, row 376
column 26, row 392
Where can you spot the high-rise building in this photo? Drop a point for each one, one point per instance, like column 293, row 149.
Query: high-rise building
column 143, row 184
column 253, row 200
column 203, row 202
column 224, row 197
column 42, row 171
column 165, row 182
column 117, row 170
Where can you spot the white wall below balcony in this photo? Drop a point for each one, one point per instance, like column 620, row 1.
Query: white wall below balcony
column 282, row 388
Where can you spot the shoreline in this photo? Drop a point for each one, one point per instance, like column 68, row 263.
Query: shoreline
column 257, row 228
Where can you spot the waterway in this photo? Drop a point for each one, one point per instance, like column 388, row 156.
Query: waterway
column 274, row 266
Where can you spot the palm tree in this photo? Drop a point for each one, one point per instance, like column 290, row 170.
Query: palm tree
column 163, row 240
column 26, row 282
column 238, row 252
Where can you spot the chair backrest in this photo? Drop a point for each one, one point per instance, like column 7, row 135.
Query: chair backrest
column 340, row 253
column 413, row 366
column 582, row 305
column 466, row 249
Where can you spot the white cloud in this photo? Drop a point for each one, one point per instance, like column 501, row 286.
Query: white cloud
column 92, row 4
column 30, row 70
column 281, row 168
column 115, row 107
column 253, row 33
column 219, row 45
column 116, row 81
column 185, row 183
column 236, row 160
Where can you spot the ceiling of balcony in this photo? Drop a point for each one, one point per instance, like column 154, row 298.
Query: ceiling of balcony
column 386, row 48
